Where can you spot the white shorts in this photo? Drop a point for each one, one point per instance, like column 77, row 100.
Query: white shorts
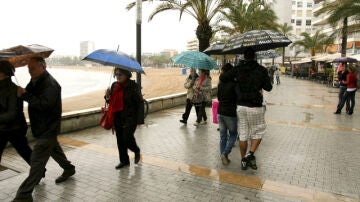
column 251, row 122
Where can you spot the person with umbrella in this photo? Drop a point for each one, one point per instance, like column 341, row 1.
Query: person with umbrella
column 202, row 87
column 342, row 73
column 13, row 126
column 43, row 94
column 350, row 91
column 189, row 83
column 126, row 111
column 251, row 79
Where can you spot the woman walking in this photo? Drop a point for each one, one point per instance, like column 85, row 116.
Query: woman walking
column 202, row 86
column 13, row 125
column 126, row 109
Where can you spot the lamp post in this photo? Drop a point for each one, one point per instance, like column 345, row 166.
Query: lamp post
column 138, row 37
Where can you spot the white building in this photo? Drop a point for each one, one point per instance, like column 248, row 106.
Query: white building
column 86, row 47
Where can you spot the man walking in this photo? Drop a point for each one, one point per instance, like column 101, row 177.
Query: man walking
column 251, row 79
column 43, row 95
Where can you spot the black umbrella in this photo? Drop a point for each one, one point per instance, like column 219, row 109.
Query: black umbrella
column 215, row 49
column 257, row 39
column 345, row 59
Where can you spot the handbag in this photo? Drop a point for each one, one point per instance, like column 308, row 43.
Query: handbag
column 198, row 98
column 105, row 122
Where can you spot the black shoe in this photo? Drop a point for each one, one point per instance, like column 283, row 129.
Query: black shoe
column 337, row 112
column 182, row 121
column 349, row 113
column 244, row 163
column 122, row 165
column 66, row 174
column 137, row 157
column 252, row 162
column 26, row 199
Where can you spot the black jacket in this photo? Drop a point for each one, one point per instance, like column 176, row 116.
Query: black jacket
column 250, row 78
column 227, row 98
column 11, row 107
column 342, row 77
column 133, row 112
column 44, row 98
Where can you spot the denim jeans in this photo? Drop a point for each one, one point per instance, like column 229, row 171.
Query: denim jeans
column 228, row 133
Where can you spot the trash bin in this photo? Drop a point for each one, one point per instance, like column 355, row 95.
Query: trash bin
column 184, row 71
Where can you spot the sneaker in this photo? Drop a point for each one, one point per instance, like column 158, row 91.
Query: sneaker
column 224, row 159
column 252, row 162
column 203, row 123
column 244, row 163
column 196, row 124
column 182, row 121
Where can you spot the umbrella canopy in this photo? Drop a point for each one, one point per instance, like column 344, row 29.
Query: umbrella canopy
column 345, row 59
column 195, row 59
column 115, row 58
column 215, row 49
column 19, row 55
column 264, row 54
column 257, row 39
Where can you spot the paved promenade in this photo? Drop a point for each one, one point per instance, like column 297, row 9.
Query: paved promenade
column 308, row 154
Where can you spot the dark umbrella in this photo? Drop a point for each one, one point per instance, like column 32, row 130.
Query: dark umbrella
column 19, row 55
column 215, row 49
column 116, row 59
column 345, row 59
column 257, row 39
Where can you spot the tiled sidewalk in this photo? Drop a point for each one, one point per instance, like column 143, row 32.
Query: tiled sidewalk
column 308, row 154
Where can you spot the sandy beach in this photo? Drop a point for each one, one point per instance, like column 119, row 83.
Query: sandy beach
column 156, row 82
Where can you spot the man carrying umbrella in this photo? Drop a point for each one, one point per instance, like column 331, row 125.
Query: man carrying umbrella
column 251, row 79
column 43, row 94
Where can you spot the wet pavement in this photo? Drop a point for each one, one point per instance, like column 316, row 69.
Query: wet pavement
column 307, row 154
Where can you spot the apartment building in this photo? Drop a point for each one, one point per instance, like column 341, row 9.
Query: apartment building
column 86, row 47
column 320, row 23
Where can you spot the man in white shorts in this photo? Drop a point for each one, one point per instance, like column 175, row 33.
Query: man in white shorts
column 251, row 79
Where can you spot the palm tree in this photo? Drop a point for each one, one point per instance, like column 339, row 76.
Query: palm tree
column 285, row 29
column 242, row 16
column 340, row 12
column 313, row 43
column 202, row 10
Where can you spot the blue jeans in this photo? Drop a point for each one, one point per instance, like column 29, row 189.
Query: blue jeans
column 228, row 133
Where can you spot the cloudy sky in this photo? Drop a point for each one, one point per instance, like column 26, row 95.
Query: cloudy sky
column 62, row 24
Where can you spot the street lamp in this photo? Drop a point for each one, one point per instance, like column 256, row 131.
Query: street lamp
column 138, row 37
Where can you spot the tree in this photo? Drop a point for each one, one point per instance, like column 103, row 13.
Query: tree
column 313, row 43
column 285, row 29
column 340, row 12
column 202, row 10
column 242, row 16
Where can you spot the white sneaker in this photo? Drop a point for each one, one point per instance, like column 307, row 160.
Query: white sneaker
column 196, row 124
column 203, row 123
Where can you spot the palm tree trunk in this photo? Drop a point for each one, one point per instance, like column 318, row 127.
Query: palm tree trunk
column 283, row 56
column 204, row 34
column 344, row 37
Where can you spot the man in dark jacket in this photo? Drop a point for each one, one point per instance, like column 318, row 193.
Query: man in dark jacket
column 13, row 125
column 43, row 94
column 342, row 86
column 251, row 79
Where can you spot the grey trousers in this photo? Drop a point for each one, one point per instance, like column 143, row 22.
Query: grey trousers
column 43, row 149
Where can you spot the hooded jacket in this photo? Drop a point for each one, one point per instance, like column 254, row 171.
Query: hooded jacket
column 250, row 78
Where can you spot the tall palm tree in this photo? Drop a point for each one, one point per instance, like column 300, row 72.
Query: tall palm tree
column 285, row 29
column 202, row 10
column 242, row 16
column 340, row 12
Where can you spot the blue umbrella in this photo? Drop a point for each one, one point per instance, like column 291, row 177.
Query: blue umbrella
column 195, row 59
column 115, row 58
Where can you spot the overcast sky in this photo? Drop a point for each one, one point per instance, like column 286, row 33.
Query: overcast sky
column 62, row 24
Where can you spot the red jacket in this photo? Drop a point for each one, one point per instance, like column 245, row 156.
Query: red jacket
column 350, row 80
